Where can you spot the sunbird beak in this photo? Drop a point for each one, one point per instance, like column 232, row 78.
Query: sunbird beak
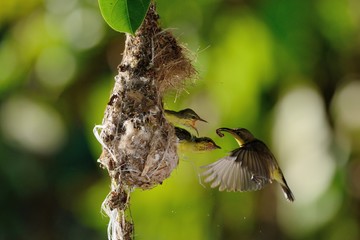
column 202, row 120
column 220, row 130
column 216, row 146
column 211, row 146
column 232, row 132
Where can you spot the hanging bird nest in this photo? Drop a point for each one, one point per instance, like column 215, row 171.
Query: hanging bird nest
column 139, row 145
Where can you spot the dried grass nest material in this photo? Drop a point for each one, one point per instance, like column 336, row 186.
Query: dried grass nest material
column 171, row 63
column 158, row 55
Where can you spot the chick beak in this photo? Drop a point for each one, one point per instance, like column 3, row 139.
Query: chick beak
column 197, row 132
column 210, row 146
column 215, row 146
column 192, row 125
column 200, row 119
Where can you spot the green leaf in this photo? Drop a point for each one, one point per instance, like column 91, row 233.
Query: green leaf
column 124, row 15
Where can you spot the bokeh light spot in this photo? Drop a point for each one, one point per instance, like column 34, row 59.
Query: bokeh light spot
column 347, row 105
column 302, row 141
column 31, row 125
column 8, row 63
column 60, row 7
column 84, row 28
column 55, row 67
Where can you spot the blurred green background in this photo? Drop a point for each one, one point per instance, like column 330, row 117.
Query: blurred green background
column 287, row 70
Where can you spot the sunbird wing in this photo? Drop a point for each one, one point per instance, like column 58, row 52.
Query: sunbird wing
column 257, row 159
column 248, row 168
column 230, row 175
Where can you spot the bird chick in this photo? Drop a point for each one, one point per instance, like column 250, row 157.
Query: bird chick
column 189, row 142
column 185, row 118
column 248, row 168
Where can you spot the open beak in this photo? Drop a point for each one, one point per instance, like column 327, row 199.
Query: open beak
column 192, row 125
column 197, row 132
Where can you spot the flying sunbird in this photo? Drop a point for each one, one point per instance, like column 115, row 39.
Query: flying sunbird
column 248, row 168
